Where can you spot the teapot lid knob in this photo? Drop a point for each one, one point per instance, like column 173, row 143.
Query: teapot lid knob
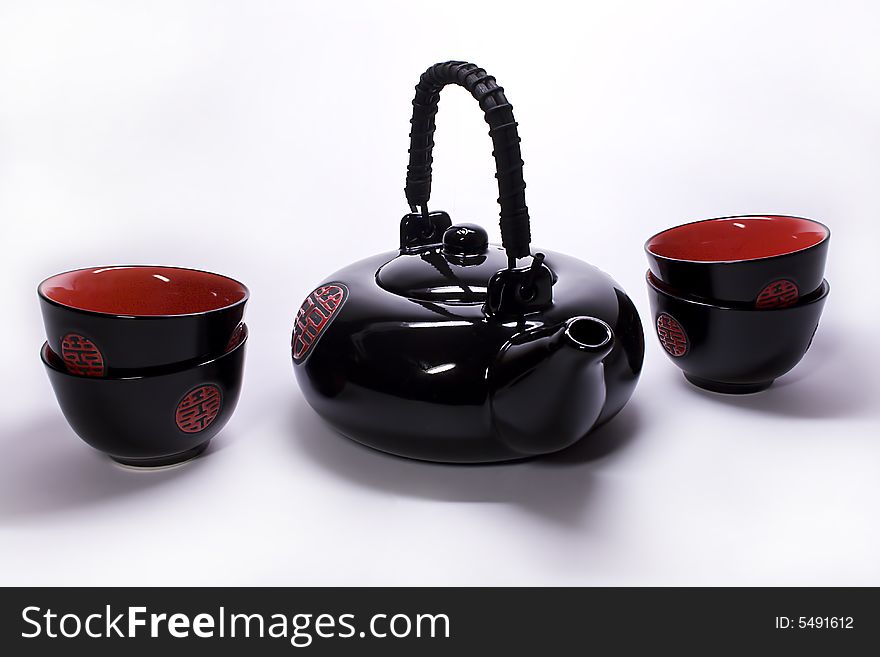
column 465, row 240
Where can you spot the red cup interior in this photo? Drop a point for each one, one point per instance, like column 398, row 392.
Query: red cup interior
column 737, row 238
column 143, row 290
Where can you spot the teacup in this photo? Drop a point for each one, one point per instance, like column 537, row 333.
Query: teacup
column 733, row 350
column 133, row 320
column 764, row 261
column 151, row 421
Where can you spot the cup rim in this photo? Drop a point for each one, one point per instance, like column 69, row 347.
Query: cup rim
column 807, row 300
column 128, row 316
column 46, row 348
column 752, row 215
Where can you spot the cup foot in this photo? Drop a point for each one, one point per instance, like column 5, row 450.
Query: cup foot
column 729, row 388
column 163, row 461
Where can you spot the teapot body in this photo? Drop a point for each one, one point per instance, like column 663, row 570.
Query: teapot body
column 416, row 376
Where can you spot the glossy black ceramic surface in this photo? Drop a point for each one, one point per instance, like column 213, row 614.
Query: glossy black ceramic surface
column 120, row 344
column 150, row 421
column 765, row 282
column 733, row 350
column 437, row 378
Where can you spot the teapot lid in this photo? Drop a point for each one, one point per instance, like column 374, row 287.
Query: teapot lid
column 455, row 271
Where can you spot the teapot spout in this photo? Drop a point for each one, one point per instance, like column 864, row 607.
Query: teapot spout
column 589, row 335
column 548, row 385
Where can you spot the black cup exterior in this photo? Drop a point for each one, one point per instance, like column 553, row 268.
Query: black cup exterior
column 733, row 350
column 760, row 282
column 118, row 345
column 150, row 420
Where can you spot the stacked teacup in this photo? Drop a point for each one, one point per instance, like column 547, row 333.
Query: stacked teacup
column 146, row 361
column 736, row 300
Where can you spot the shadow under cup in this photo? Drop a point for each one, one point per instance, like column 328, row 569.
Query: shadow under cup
column 134, row 320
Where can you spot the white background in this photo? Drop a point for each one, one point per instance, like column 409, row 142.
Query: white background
column 267, row 140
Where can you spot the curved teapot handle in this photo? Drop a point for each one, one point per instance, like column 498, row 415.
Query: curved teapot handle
column 515, row 230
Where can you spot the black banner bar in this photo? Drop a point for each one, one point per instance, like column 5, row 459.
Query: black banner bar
column 439, row 621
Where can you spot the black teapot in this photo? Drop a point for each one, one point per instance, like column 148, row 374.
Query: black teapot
column 454, row 349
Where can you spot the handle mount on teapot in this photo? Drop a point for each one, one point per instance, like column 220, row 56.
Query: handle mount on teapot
column 515, row 229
